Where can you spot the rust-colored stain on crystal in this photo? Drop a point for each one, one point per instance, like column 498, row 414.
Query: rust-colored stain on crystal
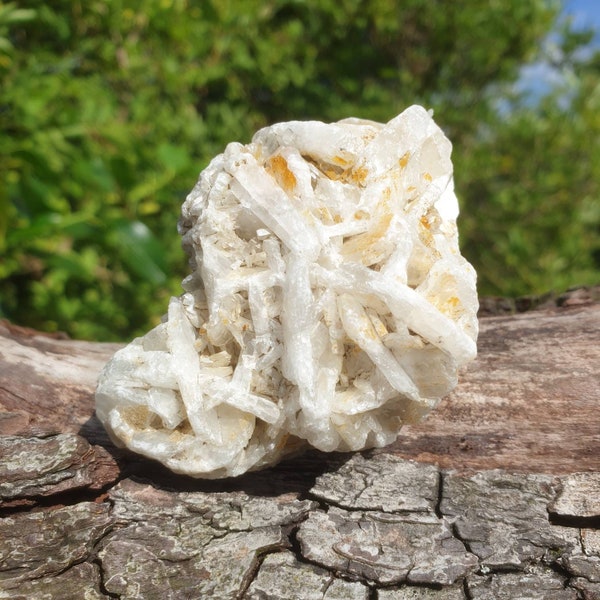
column 340, row 161
column 278, row 167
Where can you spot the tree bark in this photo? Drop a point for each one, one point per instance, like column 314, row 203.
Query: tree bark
column 495, row 495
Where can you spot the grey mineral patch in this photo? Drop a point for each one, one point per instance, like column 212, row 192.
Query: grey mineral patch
column 179, row 545
column 590, row 539
column 231, row 511
column 589, row 590
column 385, row 548
column 503, row 518
column 582, row 565
column 40, row 466
column 579, row 496
column 142, row 568
column 281, row 576
column 80, row 581
column 56, row 540
column 381, row 482
column 454, row 592
column 539, row 584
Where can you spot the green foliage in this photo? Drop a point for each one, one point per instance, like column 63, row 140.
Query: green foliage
column 531, row 190
column 109, row 108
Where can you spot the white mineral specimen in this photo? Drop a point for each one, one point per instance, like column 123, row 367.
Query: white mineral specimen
column 328, row 302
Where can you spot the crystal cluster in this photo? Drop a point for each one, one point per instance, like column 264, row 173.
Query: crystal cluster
column 327, row 305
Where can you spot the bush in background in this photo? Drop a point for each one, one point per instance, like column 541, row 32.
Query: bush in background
column 110, row 108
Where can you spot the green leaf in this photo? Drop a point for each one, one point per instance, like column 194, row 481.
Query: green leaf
column 108, row 111
column 174, row 158
column 18, row 15
column 140, row 250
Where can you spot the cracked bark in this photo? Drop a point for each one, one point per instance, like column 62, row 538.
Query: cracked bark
column 495, row 495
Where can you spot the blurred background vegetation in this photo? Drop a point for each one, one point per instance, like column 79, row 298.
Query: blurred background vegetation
column 110, row 108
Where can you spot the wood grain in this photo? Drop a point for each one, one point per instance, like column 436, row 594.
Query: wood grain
column 494, row 495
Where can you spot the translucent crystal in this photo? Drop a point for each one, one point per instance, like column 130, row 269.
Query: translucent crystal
column 328, row 302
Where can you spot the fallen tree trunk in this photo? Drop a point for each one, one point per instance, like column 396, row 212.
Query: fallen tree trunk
column 495, row 494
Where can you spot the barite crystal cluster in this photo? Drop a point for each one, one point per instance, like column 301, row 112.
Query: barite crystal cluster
column 328, row 302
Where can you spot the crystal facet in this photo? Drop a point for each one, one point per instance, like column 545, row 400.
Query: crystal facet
column 328, row 302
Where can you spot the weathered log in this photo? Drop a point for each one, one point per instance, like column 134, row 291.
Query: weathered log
column 495, row 495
